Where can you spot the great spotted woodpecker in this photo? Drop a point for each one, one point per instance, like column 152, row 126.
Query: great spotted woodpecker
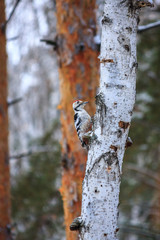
column 82, row 121
column 83, row 124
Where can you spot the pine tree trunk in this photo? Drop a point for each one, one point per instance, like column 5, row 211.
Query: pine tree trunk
column 114, row 102
column 4, row 163
column 78, row 72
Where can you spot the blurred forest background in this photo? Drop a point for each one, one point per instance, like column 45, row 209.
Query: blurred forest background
column 34, row 134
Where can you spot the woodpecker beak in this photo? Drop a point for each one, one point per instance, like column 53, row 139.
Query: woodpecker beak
column 84, row 103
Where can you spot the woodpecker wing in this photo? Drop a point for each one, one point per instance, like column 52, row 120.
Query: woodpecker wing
column 77, row 122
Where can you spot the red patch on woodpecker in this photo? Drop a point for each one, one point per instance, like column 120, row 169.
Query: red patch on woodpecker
column 76, row 101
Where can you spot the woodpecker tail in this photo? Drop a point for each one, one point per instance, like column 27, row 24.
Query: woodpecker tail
column 83, row 144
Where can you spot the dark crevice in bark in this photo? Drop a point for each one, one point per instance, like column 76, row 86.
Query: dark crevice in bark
column 101, row 110
column 106, row 20
column 108, row 157
column 124, row 42
column 117, row 86
column 67, row 162
column 79, row 47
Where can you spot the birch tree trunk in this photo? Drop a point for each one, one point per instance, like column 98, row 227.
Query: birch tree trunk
column 4, row 164
column 114, row 102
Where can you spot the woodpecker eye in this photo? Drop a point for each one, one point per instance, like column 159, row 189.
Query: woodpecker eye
column 77, row 101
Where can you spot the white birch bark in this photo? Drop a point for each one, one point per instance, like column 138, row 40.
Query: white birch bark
column 115, row 101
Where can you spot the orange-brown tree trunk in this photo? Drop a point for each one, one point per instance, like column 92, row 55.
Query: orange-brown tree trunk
column 4, row 164
column 78, row 72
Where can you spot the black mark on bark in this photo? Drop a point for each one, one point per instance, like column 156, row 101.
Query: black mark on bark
column 124, row 42
column 79, row 47
column 96, row 190
column 129, row 29
column 67, row 163
column 106, row 20
column 119, row 133
column 134, row 65
column 126, row 47
column 117, row 86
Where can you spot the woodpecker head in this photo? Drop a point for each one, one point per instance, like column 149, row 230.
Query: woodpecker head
column 78, row 105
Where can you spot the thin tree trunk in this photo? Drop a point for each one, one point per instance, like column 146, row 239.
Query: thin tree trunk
column 114, row 102
column 4, row 164
column 155, row 211
column 78, row 71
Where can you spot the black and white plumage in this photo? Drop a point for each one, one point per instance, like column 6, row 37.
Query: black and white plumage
column 82, row 120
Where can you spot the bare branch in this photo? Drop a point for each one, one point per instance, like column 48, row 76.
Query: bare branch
column 42, row 149
column 14, row 101
column 148, row 26
column 140, row 231
column 21, row 155
column 3, row 25
column 141, row 29
column 148, row 182
column 145, row 172
column 50, row 42
column 12, row 38
column 76, row 224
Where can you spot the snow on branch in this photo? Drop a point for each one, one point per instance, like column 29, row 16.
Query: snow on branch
column 148, row 26
column 12, row 38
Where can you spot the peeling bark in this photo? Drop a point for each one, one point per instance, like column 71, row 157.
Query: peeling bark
column 4, row 161
column 78, row 71
column 114, row 102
